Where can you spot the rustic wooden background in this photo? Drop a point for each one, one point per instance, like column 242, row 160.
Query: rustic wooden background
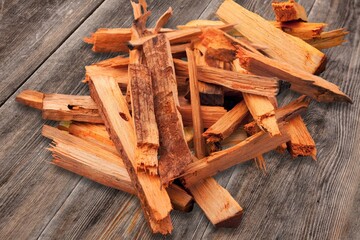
column 41, row 48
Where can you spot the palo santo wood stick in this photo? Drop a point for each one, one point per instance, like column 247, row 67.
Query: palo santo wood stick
column 289, row 11
column 303, row 30
column 280, row 45
column 31, row 98
column 226, row 125
column 250, row 148
column 329, row 39
column 113, row 108
column 118, row 73
column 199, row 142
column 147, row 135
column 91, row 160
column 233, row 80
column 163, row 20
column 301, row 81
column 301, row 143
column 173, row 157
column 178, row 36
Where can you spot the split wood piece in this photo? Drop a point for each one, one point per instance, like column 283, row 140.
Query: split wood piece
column 115, row 62
column 289, row 11
column 120, row 74
column 163, row 20
column 91, row 160
column 198, row 126
column 113, row 108
column 210, row 94
column 248, row 149
column 31, row 98
column 174, row 151
column 301, row 143
column 88, row 114
column 177, row 36
column 329, row 39
column 112, row 39
column 236, row 137
column 263, row 86
column 283, row 114
column 209, row 114
column 227, row 124
column 201, row 23
column 60, row 107
column 280, row 46
column 147, row 135
column 263, row 113
column 301, row 81
column 303, row 30
column 218, row 205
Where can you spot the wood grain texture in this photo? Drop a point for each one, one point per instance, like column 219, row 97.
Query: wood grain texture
column 296, row 199
column 31, row 31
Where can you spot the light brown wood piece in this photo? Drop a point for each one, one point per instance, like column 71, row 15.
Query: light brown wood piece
column 147, row 134
column 280, row 46
column 177, row 36
column 75, row 153
column 119, row 73
column 227, row 124
column 199, row 142
column 113, row 108
column 209, row 114
column 60, row 107
column 217, row 203
column 289, row 11
column 115, row 62
column 163, row 20
column 301, row 81
column 301, row 143
column 173, row 157
column 303, row 30
column 248, row 149
column 254, row 84
column 329, row 39
column 31, row 98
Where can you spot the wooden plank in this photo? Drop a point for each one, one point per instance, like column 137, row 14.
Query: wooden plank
column 34, row 28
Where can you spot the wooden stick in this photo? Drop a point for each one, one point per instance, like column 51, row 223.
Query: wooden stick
column 147, row 135
column 31, row 98
column 303, row 30
column 120, row 74
column 252, row 147
column 289, row 11
column 237, row 81
column 209, row 115
column 173, row 157
column 199, row 142
column 178, row 36
column 91, row 160
column 301, row 143
column 301, row 81
column 227, row 124
column 329, row 39
column 281, row 46
column 163, row 20
column 113, row 108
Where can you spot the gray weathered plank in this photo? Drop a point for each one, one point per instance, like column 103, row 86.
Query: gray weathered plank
column 30, row 32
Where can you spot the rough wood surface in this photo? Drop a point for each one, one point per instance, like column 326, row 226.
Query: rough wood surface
column 38, row 199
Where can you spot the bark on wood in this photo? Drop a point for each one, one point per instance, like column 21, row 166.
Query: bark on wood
column 227, row 124
column 113, row 108
column 147, row 135
column 301, row 81
column 174, row 152
column 91, row 160
column 289, row 11
column 199, row 142
column 281, row 46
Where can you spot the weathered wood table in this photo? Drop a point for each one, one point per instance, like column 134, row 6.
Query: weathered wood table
column 41, row 48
